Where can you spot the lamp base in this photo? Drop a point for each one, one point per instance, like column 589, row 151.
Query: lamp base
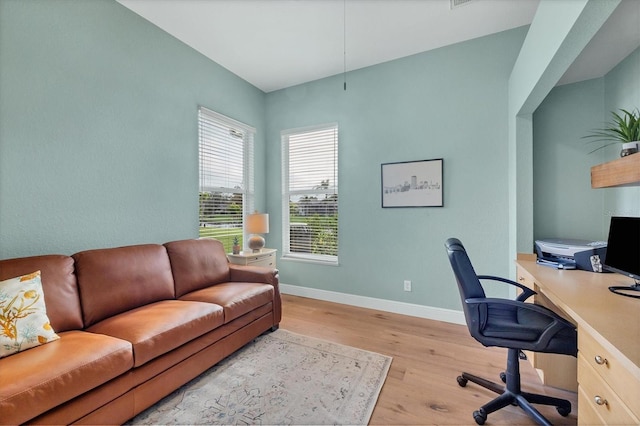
column 256, row 243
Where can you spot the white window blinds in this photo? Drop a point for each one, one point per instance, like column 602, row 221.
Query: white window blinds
column 310, row 193
column 226, row 176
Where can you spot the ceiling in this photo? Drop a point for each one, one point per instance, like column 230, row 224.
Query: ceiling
column 275, row 44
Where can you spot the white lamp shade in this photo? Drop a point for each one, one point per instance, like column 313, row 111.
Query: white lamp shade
column 258, row 223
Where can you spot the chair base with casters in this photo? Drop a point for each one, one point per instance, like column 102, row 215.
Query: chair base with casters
column 511, row 394
column 514, row 325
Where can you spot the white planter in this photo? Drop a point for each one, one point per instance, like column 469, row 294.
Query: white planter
column 629, row 148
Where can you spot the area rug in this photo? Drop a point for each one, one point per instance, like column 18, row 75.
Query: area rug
column 281, row 378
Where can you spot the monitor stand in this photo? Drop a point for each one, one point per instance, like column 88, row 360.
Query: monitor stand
column 632, row 290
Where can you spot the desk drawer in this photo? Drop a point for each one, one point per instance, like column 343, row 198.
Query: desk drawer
column 600, row 397
column 555, row 370
column 609, row 369
column 587, row 413
column 525, row 278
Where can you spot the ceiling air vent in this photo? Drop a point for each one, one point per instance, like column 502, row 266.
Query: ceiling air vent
column 456, row 3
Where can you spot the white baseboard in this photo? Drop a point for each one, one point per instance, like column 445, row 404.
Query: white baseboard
column 421, row 311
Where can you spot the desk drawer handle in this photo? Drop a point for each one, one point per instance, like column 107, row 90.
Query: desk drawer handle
column 600, row 400
column 601, row 361
column 521, row 279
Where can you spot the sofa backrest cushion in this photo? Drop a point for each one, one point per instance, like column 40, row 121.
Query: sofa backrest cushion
column 197, row 264
column 116, row 280
column 58, row 284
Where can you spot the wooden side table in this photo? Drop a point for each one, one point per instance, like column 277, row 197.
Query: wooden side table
column 266, row 257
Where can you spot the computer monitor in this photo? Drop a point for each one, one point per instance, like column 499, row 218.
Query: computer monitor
column 623, row 253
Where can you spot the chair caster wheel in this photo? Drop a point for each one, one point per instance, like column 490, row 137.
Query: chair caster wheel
column 480, row 416
column 564, row 410
column 503, row 377
column 462, row 381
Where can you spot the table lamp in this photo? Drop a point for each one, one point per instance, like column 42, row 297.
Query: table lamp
column 257, row 223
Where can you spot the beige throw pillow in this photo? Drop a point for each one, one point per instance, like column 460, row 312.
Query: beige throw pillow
column 23, row 316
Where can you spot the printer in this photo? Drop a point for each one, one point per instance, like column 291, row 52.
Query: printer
column 567, row 253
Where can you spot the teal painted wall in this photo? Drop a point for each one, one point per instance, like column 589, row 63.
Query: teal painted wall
column 98, row 143
column 565, row 205
column 98, row 127
column 622, row 90
column 449, row 103
column 559, row 32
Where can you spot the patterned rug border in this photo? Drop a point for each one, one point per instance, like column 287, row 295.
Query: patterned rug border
column 193, row 403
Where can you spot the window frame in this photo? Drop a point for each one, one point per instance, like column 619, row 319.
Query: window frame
column 324, row 259
column 248, row 172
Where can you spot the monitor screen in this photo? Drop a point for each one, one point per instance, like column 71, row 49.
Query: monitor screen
column 623, row 247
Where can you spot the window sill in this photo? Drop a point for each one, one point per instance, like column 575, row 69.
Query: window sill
column 311, row 258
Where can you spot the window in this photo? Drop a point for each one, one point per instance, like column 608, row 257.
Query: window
column 226, row 176
column 310, row 193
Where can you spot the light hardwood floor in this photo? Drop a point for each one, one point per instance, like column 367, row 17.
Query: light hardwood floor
column 421, row 387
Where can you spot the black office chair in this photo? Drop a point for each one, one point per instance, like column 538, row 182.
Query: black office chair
column 511, row 324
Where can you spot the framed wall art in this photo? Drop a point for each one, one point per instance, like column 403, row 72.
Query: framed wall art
column 412, row 184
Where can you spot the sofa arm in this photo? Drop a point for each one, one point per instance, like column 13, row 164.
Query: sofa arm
column 260, row 274
column 254, row 274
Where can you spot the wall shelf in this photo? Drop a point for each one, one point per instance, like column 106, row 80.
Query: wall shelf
column 622, row 171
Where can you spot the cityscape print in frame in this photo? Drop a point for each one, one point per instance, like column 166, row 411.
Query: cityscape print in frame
column 413, row 184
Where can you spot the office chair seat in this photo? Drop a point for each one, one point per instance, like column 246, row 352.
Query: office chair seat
column 526, row 326
column 511, row 324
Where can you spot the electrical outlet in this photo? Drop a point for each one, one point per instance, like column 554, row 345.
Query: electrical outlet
column 407, row 285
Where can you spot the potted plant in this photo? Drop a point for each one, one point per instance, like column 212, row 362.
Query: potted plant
column 624, row 128
column 236, row 245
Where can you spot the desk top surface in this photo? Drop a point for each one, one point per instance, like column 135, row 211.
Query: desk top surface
column 613, row 319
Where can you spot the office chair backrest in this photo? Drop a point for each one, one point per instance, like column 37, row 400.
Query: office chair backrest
column 515, row 325
column 468, row 284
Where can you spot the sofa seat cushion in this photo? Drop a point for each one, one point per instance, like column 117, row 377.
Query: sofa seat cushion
column 160, row 327
column 237, row 298
column 49, row 375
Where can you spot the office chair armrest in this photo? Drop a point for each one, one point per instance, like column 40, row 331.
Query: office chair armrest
column 526, row 291
column 557, row 324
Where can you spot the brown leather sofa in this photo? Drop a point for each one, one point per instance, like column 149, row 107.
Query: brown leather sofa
column 135, row 323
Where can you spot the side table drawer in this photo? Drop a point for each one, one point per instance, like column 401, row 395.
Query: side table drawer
column 267, row 260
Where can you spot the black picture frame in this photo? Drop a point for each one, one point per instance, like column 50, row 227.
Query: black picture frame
column 412, row 184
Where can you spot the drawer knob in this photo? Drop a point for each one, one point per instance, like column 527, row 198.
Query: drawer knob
column 601, row 361
column 521, row 279
column 600, row 400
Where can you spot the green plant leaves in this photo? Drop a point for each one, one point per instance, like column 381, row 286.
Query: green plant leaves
column 624, row 127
